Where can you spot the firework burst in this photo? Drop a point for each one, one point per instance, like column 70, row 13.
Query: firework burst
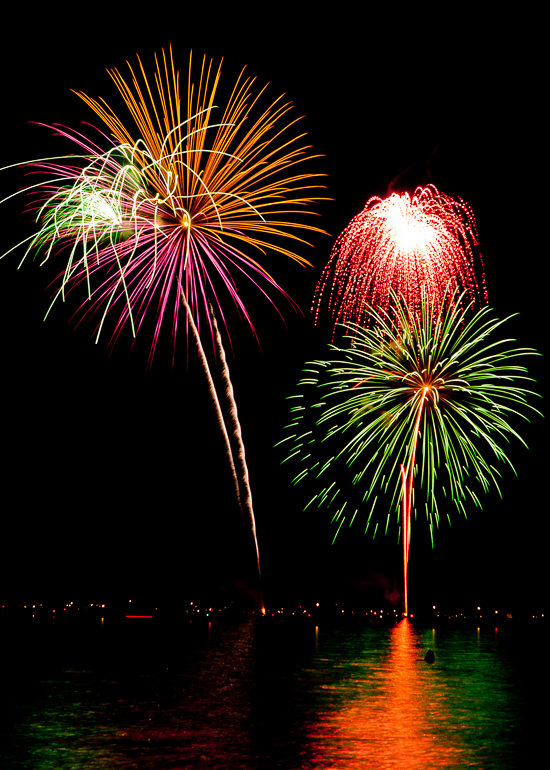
column 160, row 217
column 402, row 244
column 413, row 414
column 173, row 200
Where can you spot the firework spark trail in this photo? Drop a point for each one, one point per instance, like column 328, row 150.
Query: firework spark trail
column 437, row 382
column 402, row 244
column 407, row 478
column 245, row 495
column 214, row 397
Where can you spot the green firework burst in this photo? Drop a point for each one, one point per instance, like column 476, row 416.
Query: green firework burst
column 426, row 397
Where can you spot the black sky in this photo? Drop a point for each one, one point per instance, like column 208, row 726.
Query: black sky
column 113, row 476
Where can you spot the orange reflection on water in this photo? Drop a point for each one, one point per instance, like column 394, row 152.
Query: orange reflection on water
column 396, row 715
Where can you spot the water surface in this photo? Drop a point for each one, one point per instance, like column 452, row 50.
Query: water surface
column 273, row 694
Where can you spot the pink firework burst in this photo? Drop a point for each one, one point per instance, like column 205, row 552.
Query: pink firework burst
column 401, row 243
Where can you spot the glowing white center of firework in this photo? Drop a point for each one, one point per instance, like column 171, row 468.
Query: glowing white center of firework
column 97, row 208
column 410, row 233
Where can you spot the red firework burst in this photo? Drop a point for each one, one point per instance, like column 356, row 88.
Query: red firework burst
column 403, row 244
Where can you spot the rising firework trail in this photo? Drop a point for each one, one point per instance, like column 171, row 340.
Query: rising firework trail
column 170, row 210
column 412, row 414
column 402, row 244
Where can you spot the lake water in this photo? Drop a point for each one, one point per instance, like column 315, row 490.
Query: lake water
column 270, row 693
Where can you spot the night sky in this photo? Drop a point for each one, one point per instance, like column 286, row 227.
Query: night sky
column 114, row 480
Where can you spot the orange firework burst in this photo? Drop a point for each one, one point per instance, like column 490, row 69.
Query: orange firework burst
column 403, row 244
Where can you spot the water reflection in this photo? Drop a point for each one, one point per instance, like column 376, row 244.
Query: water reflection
column 272, row 696
column 407, row 713
column 189, row 706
